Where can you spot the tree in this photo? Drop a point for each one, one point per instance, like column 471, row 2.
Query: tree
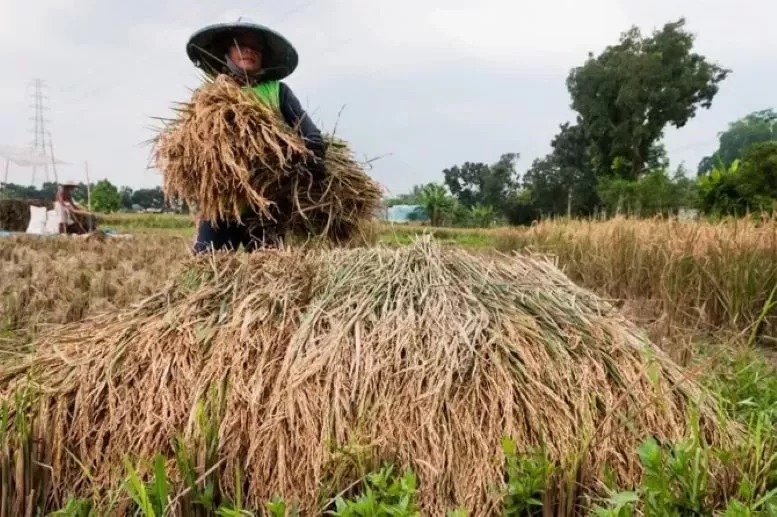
column 126, row 198
column 105, row 197
column 548, row 185
column 627, row 95
column 476, row 184
column 746, row 185
column 618, row 194
column 12, row 190
column 466, row 182
column 47, row 192
column 436, row 202
column 759, row 175
column 759, row 126
column 410, row 198
column 570, row 151
column 655, row 192
column 149, row 198
column 686, row 189
column 521, row 210
column 564, row 180
column 482, row 216
column 718, row 192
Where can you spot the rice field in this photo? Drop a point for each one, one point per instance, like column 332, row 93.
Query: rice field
column 695, row 278
column 703, row 292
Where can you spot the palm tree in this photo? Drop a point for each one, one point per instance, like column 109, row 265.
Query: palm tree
column 483, row 216
column 436, row 202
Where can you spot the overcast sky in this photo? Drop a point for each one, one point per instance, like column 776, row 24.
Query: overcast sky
column 432, row 82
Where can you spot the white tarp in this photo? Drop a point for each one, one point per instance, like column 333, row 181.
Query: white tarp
column 37, row 220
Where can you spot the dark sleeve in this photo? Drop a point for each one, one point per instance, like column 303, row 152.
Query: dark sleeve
column 296, row 116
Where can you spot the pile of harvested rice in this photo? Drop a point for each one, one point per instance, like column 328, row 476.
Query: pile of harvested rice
column 15, row 216
column 228, row 153
column 423, row 356
column 15, row 213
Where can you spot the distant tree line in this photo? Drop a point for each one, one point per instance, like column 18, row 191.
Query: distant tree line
column 105, row 196
column 611, row 158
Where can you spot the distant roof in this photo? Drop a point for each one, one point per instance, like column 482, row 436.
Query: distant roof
column 26, row 156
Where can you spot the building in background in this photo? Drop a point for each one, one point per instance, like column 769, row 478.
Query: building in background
column 406, row 214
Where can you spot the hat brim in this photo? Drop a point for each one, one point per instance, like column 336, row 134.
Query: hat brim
column 207, row 47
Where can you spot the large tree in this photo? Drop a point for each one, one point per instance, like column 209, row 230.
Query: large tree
column 564, row 181
column 628, row 94
column 478, row 184
column 759, row 126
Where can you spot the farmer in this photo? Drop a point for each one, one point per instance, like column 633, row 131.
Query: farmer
column 65, row 208
column 257, row 58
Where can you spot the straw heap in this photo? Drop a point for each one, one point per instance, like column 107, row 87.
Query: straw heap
column 228, row 154
column 422, row 355
column 15, row 213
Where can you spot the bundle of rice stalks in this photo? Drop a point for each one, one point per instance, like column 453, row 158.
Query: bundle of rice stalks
column 224, row 151
column 342, row 207
column 229, row 154
column 304, row 367
column 15, row 213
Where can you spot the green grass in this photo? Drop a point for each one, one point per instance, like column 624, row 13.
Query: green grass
column 150, row 224
column 148, row 221
column 677, row 478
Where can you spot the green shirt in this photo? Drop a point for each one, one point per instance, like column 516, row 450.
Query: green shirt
column 268, row 93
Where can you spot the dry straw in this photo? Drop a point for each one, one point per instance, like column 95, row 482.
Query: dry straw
column 228, row 153
column 422, row 355
column 62, row 280
column 15, row 213
column 342, row 206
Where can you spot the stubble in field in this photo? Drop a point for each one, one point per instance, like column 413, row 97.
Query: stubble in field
column 62, row 280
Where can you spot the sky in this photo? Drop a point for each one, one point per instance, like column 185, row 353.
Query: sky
column 421, row 84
